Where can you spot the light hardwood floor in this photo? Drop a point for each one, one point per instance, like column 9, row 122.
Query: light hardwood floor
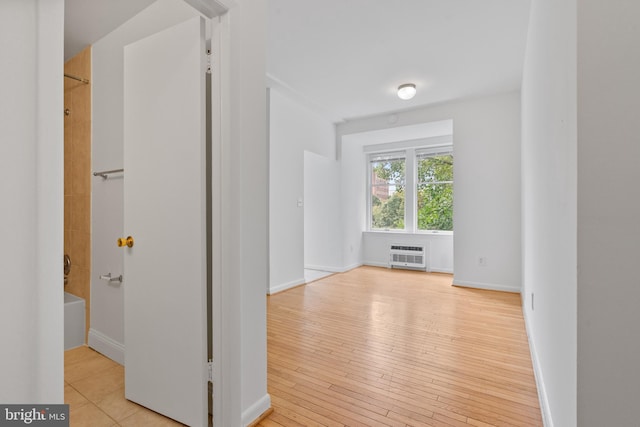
column 380, row 347
column 371, row 347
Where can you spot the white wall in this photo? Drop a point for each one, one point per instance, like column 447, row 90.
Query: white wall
column 608, row 325
column 322, row 221
column 354, row 203
column 31, row 190
column 245, row 218
column 438, row 247
column 486, row 134
column 293, row 129
column 549, row 205
column 107, row 300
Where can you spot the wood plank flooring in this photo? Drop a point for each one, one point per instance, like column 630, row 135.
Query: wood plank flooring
column 380, row 347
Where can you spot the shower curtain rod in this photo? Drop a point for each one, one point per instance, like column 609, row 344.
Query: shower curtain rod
column 80, row 79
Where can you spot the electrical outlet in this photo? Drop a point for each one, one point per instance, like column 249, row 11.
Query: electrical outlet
column 482, row 261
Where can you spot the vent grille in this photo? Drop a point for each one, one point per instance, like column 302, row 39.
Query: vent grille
column 407, row 248
column 407, row 259
column 407, row 256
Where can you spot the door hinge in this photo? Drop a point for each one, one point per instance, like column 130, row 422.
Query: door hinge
column 210, row 370
column 208, row 61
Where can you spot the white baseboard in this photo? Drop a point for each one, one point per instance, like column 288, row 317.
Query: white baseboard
column 441, row 270
column 377, row 264
column 292, row 284
column 324, row 268
column 487, row 286
column 386, row 265
column 254, row 411
column 107, row 346
column 350, row 267
column 285, row 286
column 547, row 421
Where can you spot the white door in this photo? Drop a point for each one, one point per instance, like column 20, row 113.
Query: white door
column 164, row 209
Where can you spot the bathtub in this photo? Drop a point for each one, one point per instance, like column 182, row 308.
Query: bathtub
column 74, row 316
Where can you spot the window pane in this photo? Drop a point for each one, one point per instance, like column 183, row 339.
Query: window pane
column 387, row 172
column 387, row 213
column 435, row 168
column 435, row 206
column 387, row 194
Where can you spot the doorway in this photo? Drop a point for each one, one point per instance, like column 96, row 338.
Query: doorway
column 108, row 321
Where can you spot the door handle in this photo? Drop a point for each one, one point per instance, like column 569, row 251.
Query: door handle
column 111, row 279
column 125, row 241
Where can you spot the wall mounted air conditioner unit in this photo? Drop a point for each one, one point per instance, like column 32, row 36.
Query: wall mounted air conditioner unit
column 407, row 256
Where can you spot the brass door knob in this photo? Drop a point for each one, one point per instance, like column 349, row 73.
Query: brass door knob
column 125, row 241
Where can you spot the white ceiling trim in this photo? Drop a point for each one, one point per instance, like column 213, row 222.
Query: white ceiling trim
column 299, row 98
column 434, row 141
column 211, row 8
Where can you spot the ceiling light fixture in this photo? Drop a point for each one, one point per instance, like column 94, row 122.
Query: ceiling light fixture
column 406, row 91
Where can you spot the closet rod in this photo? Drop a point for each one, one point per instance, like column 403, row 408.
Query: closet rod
column 80, row 79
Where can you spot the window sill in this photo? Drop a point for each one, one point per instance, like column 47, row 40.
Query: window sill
column 436, row 232
column 409, row 233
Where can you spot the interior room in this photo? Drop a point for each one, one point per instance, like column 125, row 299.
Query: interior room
column 311, row 150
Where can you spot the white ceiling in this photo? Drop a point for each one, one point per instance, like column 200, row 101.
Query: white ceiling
column 87, row 21
column 346, row 58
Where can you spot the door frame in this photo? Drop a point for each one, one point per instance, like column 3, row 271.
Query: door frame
column 220, row 44
column 222, row 314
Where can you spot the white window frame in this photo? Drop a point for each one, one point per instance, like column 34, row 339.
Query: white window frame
column 370, row 159
column 411, row 181
column 427, row 151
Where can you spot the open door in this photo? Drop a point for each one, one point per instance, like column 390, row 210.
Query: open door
column 165, row 213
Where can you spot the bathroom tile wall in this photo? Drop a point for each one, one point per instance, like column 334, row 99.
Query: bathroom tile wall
column 77, row 176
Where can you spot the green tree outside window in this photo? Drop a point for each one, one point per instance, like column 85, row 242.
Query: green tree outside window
column 435, row 192
column 387, row 194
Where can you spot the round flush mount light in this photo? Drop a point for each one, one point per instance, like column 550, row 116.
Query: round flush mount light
column 406, row 91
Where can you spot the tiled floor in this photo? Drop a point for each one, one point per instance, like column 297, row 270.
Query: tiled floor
column 94, row 390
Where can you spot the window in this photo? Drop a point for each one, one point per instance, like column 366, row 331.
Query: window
column 434, row 190
column 412, row 190
column 387, row 191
